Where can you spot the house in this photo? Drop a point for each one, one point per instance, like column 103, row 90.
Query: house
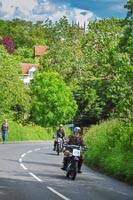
column 39, row 50
column 28, row 69
column 28, row 72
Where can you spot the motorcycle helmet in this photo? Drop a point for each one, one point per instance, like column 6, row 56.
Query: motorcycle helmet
column 61, row 126
column 77, row 129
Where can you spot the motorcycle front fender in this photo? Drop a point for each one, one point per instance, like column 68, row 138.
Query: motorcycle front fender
column 76, row 158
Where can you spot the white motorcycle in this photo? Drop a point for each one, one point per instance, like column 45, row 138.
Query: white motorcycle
column 59, row 145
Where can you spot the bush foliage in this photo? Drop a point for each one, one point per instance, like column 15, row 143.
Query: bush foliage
column 111, row 149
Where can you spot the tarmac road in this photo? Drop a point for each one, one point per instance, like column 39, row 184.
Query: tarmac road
column 31, row 171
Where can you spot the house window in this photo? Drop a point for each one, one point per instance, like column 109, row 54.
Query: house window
column 30, row 73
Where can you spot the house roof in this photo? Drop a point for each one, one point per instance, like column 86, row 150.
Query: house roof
column 27, row 66
column 39, row 50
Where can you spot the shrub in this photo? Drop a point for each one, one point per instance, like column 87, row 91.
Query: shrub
column 110, row 149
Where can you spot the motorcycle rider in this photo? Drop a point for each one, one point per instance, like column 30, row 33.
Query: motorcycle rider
column 60, row 133
column 74, row 139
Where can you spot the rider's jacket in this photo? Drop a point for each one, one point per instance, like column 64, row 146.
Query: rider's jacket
column 60, row 133
column 72, row 139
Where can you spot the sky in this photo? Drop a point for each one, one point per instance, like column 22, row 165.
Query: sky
column 78, row 11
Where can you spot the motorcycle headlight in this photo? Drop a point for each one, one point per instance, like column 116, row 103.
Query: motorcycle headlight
column 67, row 153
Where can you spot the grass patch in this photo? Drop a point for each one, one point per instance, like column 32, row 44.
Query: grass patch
column 30, row 132
column 17, row 132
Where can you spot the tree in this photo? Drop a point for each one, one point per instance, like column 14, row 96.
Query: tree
column 109, row 70
column 14, row 95
column 26, row 54
column 3, row 28
column 64, row 55
column 8, row 43
column 126, row 42
column 129, row 6
column 52, row 101
column 102, row 92
column 88, row 64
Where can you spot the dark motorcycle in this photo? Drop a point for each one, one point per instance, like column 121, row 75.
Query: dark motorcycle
column 72, row 160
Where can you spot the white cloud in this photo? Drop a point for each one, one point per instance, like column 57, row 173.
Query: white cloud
column 9, row 5
column 17, row 8
column 34, row 10
column 80, row 18
column 25, row 4
column 44, row 8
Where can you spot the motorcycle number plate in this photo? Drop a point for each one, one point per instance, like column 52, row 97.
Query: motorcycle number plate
column 76, row 152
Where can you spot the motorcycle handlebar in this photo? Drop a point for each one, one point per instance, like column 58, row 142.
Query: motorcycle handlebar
column 75, row 146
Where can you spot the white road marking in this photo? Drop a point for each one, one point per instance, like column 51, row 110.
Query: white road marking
column 29, row 151
column 23, row 166
column 38, row 179
column 23, row 155
column 37, row 149
column 57, row 193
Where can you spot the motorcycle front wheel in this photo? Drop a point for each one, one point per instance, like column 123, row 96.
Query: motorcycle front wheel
column 72, row 172
column 58, row 149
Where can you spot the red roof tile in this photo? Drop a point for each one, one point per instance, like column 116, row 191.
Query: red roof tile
column 27, row 66
column 39, row 50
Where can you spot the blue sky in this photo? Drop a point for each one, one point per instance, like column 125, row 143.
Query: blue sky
column 75, row 10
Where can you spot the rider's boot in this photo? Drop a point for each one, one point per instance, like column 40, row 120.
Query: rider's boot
column 54, row 146
column 79, row 166
column 79, row 171
column 64, row 163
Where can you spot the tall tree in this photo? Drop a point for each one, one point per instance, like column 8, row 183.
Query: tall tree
column 126, row 42
column 52, row 101
column 14, row 95
column 64, row 55
column 129, row 6
column 111, row 69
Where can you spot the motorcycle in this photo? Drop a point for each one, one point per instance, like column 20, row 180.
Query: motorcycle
column 73, row 157
column 59, row 145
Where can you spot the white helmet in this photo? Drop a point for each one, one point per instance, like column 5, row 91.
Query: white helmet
column 77, row 129
column 61, row 126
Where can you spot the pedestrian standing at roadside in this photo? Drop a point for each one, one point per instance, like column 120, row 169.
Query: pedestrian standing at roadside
column 4, row 130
